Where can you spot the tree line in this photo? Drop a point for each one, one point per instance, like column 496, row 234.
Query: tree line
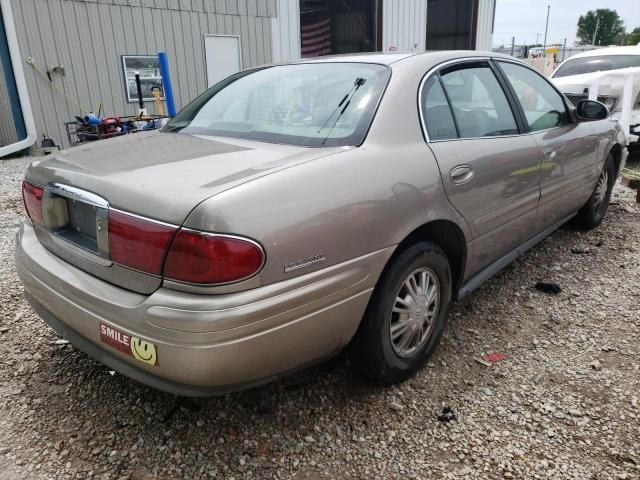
column 605, row 27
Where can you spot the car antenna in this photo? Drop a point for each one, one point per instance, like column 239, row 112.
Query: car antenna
column 356, row 85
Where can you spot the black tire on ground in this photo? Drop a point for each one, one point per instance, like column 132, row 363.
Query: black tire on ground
column 593, row 212
column 375, row 352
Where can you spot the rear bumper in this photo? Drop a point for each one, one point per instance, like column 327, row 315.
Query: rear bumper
column 206, row 344
column 116, row 363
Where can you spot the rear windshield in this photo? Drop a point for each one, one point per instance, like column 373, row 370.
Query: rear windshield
column 578, row 66
column 321, row 104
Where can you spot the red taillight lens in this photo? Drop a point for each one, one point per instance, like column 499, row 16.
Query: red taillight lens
column 198, row 257
column 138, row 243
column 32, row 198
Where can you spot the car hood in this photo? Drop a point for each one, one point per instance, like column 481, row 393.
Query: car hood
column 610, row 82
column 165, row 175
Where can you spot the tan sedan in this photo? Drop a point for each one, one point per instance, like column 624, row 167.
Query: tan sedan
column 294, row 209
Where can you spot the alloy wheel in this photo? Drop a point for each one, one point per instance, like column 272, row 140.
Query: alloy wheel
column 601, row 190
column 414, row 312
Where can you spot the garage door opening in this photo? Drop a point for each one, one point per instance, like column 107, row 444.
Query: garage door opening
column 340, row 26
column 451, row 24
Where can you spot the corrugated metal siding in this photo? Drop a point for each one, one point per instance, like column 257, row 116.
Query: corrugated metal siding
column 8, row 133
column 484, row 28
column 404, row 25
column 285, row 31
column 89, row 37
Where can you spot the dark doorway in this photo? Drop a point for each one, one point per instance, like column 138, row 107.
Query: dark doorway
column 451, row 24
column 339, row 26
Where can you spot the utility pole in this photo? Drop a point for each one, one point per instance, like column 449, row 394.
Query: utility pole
column 537, row 38
column 595, row 32
column 564, row 50
column 513, row 44
column 546, row 29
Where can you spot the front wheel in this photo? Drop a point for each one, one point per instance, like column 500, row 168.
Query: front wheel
column 593, row 212
column 406, row 314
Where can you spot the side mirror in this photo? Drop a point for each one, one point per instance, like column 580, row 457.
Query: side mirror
column 589, row 110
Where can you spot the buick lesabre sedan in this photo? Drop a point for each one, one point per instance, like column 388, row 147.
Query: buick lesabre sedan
column 292, row 210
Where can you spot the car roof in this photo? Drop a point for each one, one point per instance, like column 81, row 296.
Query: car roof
column 370, row 57
column 390, row 58
column 629, row 50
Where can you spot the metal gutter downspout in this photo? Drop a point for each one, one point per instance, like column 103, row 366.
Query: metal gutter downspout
column 21, row 84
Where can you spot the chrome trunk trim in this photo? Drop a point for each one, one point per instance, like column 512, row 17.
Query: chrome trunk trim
column 77, row 194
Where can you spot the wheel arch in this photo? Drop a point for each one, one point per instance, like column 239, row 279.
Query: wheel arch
column 448, row 236
column 616, row 151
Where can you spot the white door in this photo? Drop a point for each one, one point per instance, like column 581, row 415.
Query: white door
column 223, row 57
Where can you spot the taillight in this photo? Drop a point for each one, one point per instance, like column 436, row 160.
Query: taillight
column 138, row 243
column 208, row 258
column 32, row 198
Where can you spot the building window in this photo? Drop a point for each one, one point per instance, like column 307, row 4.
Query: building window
column 148, row 66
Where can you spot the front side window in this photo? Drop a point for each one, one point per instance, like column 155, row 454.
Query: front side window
column 479, row 104
column 543, row 106
column 320, row 104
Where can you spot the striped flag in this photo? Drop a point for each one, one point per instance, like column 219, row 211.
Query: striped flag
column 316, row 37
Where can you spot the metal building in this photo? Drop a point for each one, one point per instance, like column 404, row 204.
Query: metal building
column 78, row 55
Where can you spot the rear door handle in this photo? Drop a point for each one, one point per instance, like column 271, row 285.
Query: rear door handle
column 461, row 174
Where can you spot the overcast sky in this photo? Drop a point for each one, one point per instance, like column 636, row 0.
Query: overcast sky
column 524, row 18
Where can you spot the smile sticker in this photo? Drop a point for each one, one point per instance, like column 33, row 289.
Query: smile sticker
column 143, row 351
column 133, row 346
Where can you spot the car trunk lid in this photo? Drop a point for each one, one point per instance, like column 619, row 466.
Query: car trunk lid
column 158, row 176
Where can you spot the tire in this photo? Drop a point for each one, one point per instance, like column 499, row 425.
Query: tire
column 593, row 212
column 388, row 361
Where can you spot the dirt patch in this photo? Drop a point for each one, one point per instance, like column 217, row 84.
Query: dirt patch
column 547, row 410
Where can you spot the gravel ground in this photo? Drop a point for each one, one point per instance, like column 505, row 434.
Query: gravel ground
column 563, row 404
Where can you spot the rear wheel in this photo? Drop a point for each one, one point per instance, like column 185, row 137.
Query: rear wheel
column 406, row 314
column 593, row 212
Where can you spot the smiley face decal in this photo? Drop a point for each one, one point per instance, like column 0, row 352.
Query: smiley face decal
column 135, row 347
column 143, row 351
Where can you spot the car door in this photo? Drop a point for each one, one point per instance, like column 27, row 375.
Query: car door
column 570, row 162
column 489, row 169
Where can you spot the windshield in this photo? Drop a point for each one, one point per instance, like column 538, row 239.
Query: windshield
column 321, row 104
column 578, row 66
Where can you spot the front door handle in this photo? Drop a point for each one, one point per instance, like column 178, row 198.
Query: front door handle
column 461, row 174
column 550, row 154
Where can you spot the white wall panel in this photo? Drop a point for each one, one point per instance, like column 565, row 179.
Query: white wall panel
column 404, row 25
column 484, row 30
column 285, row 31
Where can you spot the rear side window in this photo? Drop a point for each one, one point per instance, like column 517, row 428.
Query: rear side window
column 480, row 107
column 436, row 111
column 542, row 104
